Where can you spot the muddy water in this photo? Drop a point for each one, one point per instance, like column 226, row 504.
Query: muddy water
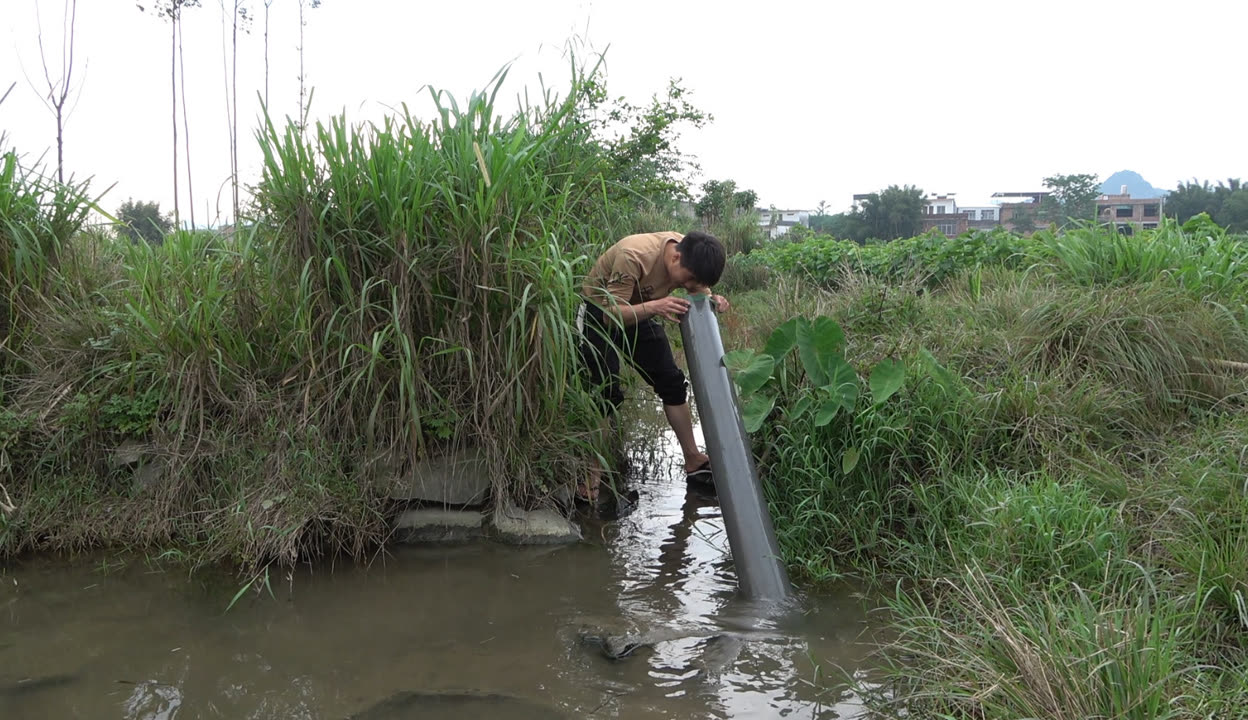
column 476, row 631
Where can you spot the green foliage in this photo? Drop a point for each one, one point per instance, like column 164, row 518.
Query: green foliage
column 1226, row 204
column 143, row 221
column 1200, row 257
column 1073, row 198
column 981, row 645
column 932, row 257
column 722, row 200
column 892, row 213
column 640, row 158
column 38, row 216
column 131, row 415
column 847, row 226
column 813, row 390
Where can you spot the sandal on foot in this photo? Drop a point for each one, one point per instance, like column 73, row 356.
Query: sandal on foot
column 700, row 474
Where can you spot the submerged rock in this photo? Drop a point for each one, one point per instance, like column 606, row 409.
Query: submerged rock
column 428, row 525
column 534, row 527
column 468, row 705
column 720, row 647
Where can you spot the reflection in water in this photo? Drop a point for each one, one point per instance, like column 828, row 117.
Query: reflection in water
column 152, row 701
column 674, row 573
column 433, row 627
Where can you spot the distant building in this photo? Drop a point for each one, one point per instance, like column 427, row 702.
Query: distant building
column 940, row 212
column 1013, row 205
column 1006, row 198
column 778, row 223
column 1129, row 214
column 982, row 217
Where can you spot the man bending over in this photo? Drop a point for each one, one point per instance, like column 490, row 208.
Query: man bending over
column 627, row 289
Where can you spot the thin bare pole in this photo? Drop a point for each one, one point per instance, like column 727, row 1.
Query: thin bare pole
column 173, row 80
column 186, row 125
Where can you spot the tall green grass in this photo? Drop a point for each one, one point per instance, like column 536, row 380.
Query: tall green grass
column 1199, row 257
column 437, row 272
column 37, row 217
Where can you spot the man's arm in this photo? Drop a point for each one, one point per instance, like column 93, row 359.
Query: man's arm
column 669, row 308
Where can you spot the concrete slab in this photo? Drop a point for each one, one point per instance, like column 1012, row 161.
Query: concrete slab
column 427, row 525
column 460, row 478
column 533, row 527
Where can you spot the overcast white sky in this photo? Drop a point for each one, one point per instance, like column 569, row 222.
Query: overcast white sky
column 813, row 101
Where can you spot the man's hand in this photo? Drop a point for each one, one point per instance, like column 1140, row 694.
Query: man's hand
column 669, row 308
column 721, row 303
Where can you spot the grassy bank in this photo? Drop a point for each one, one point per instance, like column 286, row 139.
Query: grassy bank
column 398, row 291
column 1051, row 490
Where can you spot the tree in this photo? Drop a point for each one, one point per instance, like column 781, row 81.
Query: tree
column 721, row 200
column 59, row 90
column 1226, row 204
column 1190, row 199
column 239, row 19
column 1024, row 219
column 1073, row 197
column 172, row 9
column 892, row 213
column 267, row 5
column 186, row 125
column 846, row 226
column 143, row 221
column 1234, row 211
column 644, row 159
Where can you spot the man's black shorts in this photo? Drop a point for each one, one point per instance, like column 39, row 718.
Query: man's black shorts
column 647, row 349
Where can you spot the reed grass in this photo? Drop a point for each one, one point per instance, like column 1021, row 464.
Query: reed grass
column 37, row 217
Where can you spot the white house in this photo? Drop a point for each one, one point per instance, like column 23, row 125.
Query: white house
column 940, row 205
column 981, row 213
column 779, row 223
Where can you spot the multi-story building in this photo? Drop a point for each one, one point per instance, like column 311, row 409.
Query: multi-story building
column 1129, row 214
column 1013, row 206
column 981, row 216
column 941, row 212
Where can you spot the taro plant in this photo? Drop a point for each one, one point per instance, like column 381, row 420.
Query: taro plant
column 763, row 378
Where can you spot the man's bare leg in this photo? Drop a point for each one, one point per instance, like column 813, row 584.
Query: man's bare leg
column 593, row 480
column 680, row 417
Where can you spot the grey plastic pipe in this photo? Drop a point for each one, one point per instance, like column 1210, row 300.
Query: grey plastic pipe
column 751, row 536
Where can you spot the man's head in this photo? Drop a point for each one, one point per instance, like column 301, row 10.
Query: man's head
column 698, row 262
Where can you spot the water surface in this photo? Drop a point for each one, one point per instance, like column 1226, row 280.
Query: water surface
column 480, row 630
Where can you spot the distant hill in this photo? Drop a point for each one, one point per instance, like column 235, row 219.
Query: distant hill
column 1137, row 187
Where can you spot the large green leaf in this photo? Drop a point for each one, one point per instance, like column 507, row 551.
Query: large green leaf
column 801, row 406
column 842, row 382
column 755, row 411
column 807, row 350
column 886, row 378
column 829, row 338
column 943, row 377
column 756, row 375
column 827, row 411
column 738, row 360
column 782, row 340
column 849, row 460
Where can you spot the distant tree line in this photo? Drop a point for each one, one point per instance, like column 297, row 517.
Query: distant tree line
column 1226, row 204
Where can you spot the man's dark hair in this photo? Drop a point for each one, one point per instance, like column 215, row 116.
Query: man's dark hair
column 703, row 255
